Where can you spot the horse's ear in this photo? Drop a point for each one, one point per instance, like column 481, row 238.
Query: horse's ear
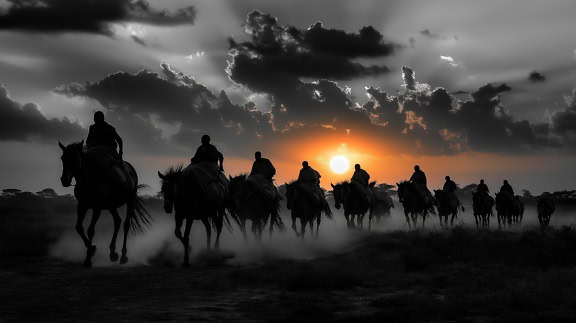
column 397, row 184
column 61, row 145
column 332, row 185
column 161, row 176
column 229, row 177
column 82, row 143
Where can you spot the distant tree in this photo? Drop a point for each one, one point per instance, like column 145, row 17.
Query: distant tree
column 47, row 193
column 11, row 191
column 470, row 187
column 527, row 194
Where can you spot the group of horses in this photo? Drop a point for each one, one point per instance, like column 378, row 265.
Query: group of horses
column 101, row 187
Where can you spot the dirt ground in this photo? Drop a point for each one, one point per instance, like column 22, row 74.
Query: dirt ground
column 460, row 274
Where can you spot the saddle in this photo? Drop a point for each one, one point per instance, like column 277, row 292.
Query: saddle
column 261, row 186
column 212, row 182
column 105, row 162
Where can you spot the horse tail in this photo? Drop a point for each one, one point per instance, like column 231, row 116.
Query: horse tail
column 141, row 219
column 226, row 220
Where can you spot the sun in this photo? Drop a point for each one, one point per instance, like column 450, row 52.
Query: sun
column 339, row 164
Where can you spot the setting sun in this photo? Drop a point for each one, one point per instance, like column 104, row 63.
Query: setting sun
column 339, row 164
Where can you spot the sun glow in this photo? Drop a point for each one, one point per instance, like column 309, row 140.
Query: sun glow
column 339, row 164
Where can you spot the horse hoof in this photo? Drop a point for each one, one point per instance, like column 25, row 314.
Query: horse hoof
column 91, row 251
column 185, row 265
column 123, row 259
column 113, row 256
column 87, row 263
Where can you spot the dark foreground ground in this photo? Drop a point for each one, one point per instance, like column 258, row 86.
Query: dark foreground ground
column 450, row 275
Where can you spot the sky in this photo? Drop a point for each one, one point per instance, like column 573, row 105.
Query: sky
column 470, row 89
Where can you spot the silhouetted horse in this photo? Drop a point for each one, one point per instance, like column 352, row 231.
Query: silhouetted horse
column 482, row 204
column 412, row 202
column 103, row 182
column 447, row 204
column 248, row 204
column 302, row 206
column 545, row 207
column 509, row 209
column 354, row 206
column 185, row 195
column 383, row 205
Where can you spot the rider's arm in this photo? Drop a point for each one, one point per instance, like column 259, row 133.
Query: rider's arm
column 120, row 143
column 221, row 160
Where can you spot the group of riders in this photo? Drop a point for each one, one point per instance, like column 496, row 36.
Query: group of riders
column 104, row 136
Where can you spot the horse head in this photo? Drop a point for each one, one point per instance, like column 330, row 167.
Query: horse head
column 402, row 190
column 438, row 195
column 71, row 161
column 337, row 192
column 236, row 189
column 290, row 192
column 169, row 179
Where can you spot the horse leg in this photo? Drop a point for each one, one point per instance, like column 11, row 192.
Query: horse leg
column 370, row 220
column 186, row 241
column 302, row 227
column 407, row 215
column 294, row 225
column 92, row 229
column 117, row 221
column 311, row 225
column 81, row 213
column 347, row 216
column 129, row 215
column 424, row 220
column 219, row 224
column 271, row 229
column 452, row 220
column 318, row 219
column 208, row 232
column 255, row 225
column 243, row 228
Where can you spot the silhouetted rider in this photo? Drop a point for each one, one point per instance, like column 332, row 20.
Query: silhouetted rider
column 309, row 176
column 506, row 187
column 449, row 185
column 359, row 183
column 360, row 176
column 103, row 134
column 482, row 187
column 207, row 153
column 420, row 183
column 418, row 177
column 263, row 166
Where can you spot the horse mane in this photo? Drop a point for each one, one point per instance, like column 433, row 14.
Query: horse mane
column 342, row 183
column 239, row 178
column 76, row 145
column 292, row 183
column 403, row 182
column 172, row 173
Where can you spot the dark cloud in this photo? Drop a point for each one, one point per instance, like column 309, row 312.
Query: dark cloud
column 177, row 100
column 277, row 57
column 536, row 77
column 139, row 40
column 409, row 78
column 89, row 16
column 427, row 33
column 24, row 122
column 439, row 125
column 418, row 120
column 564, row 121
